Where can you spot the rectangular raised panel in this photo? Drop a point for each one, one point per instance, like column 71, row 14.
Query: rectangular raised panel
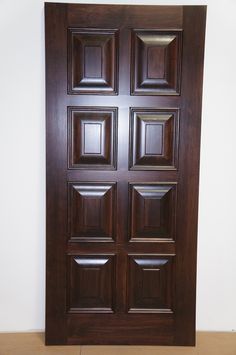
column 153, row 139
column 90, row 286
column 92, row 137
column 92, row 61
column 155, row 68
column 92, row 208
column 152, row 212
column 150, row 287
column 156, row 62
column 154, row 136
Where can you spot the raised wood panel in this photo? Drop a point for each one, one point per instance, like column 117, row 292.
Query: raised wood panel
column 154, row 136
column 150, row 287
column 156, row 62
column 92, row 211
column 90, row 286
column 92, row 61
column 152, row 212
column 92, row 138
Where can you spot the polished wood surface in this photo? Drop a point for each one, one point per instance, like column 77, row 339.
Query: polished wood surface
column 154, row 136
column 149, row 75
column 123, row 87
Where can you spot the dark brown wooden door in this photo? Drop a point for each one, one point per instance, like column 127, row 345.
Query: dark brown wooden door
column 123, row 133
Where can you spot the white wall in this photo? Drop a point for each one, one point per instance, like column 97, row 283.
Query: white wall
column 22, row 185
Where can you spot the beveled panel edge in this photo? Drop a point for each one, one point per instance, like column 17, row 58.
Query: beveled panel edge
column 77, row 310
column 74, row 310
column 134, row 310
column 136, row 167
column 76, row 240
column 115, row 113
column 133, row 90
column 131, row 240
column 151, row 310
column 108, row 92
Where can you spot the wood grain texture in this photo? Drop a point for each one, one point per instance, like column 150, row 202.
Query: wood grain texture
column 156, row 62
column 154, row 137
column 92, row 137
column 189, row 150
column 56, row 160
column 150, row 285
column 152, row 212
column 92, row 211
column 92, row 61
column 123, row 138
column 91, row 284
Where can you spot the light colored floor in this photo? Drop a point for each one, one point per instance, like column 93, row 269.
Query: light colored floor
column 208, row 343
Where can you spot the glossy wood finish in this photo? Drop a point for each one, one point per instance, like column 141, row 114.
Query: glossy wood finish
column 150, row 286
column 92, row 61
column 92, row 137
column 156, row 62
column 91, row 284
column 154, row 136
column 152, row 212
column 123, row 133
column 92, row 211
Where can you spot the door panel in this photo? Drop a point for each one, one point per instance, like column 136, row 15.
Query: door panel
column 150, row 284
column 123, row 135
column 156, row 62
column 92, row 61
column 154, row 137
column 92, row 137
column 153, row 209
column 91, row 286
column 92, row 211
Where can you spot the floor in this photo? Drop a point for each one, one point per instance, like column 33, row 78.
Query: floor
column 208, row 343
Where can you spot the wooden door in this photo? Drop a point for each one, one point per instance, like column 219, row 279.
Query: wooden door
column 124, row 90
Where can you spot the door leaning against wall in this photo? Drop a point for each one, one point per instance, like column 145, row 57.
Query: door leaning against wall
column 123, row 111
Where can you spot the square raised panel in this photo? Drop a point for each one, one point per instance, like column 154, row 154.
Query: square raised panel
column 152, row 212
column 154, row 135
column 92, row 137
column 150, row 287
column 156, row 62
column 92, row 209
column 93, row 61
column 90, row 284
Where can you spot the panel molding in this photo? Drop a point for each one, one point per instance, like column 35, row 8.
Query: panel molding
column 92, row 61
column 162, row 153
column 91, row 283
column 92, row 211
column 152, row 212
column 150, row 287
column 156, row 62
column 102, row 154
